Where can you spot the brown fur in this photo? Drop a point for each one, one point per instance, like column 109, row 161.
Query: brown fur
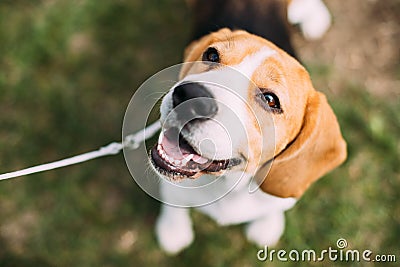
column 318, row 148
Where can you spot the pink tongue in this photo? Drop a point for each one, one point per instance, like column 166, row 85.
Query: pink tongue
column 178, row 149
column 172, row 148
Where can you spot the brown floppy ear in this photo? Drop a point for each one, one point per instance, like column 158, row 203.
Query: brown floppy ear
column 318, row 148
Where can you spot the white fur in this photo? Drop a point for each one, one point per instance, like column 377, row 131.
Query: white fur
column 264, row 214
column 267, row 230
column 174, row 229
column 312, row 16
column 251, row 62
column 232, row 203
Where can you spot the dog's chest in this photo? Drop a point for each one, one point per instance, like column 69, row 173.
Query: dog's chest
column 240, row 206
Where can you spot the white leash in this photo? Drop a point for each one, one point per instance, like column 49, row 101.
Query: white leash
column 132, row 141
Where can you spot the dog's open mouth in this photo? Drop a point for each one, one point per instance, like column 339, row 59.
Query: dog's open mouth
column 175, row 158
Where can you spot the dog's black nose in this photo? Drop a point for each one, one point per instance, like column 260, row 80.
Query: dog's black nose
column 193, row 101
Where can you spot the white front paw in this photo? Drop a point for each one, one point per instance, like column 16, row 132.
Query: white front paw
column 174, row 233
column 266, row 231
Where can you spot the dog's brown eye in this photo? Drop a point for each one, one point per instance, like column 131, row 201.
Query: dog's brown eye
column 211, row 55
column 272, row 101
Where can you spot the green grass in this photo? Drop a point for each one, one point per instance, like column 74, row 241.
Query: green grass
column 68, row 71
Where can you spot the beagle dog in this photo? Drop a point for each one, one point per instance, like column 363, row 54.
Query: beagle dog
column 243, row 115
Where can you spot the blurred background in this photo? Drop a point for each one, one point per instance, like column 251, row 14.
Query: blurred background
column 67, row 72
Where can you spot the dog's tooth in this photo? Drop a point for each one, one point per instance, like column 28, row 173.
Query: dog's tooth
column 200, row 159
column 160, row 137
column 167, row 158
column 187, row 159
column 177, row 162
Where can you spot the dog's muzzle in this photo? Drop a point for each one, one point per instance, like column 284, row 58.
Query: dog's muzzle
column 173, row 156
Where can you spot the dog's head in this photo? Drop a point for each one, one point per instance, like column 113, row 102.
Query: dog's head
column 257, row 107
